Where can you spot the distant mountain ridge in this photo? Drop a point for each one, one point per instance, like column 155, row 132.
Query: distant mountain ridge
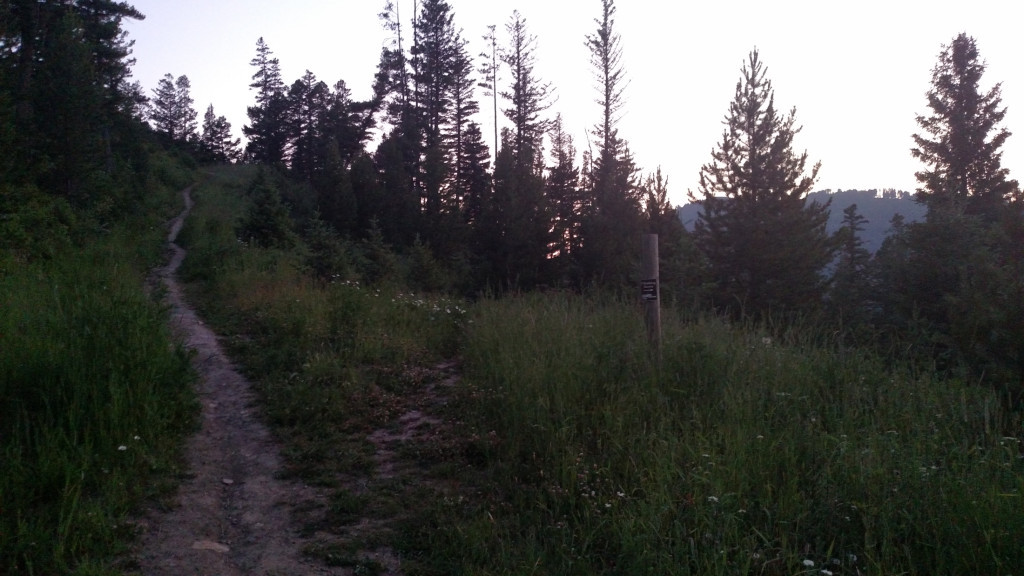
column 878, row 207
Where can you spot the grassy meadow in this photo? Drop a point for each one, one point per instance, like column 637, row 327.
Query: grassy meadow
column 570, row 450
column 95, row 395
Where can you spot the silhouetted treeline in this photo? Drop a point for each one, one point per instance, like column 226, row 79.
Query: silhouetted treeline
column 942, row 281
column 410, row 173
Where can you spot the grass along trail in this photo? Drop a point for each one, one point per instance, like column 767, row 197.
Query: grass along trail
column 233, row 515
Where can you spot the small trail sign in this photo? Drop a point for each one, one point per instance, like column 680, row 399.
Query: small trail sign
column 649, row 293
column 649, row 289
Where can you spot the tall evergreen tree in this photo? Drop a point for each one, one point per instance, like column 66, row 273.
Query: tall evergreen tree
column 391, row 84
column 473, row 180
column 851, row 287
column 216, row 144
column 268, row 119
column 111, row 49
column 528, row 96
column 69, row 134
column 62, row 67
column 171, row 109
column 961, row 143
column 336, row 198
column 765, row 245
column 961, row 282
column 464, row 107
column 347, row 123
column 525, row 221
column 185, row 113
column 489, row 70
column 612, row 223
column 163, row 107
column 308, row 103
column 565, row 195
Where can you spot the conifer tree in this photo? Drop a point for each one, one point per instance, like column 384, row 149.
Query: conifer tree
column 473, row 180
column 612, row 224
column 171, row 109
column 391, row 83
column 464, row 107
column 186, row 114
column 765, row 245
column 216, row 144
column 563, row 192
column 162, row 111
column 268, row 119
column 336, row 198
column 489, row 70
column 308, row 102
column 111, row 50
column 347, row 123
column 65, row 88
column 960, row 281
column 518, row 174
column 961, row 143
column 850, row 291
column 528, row 96
column 267, row 221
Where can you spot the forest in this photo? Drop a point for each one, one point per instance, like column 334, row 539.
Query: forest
column 90, row 162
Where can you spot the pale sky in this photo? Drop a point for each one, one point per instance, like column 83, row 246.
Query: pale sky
column 857, row 72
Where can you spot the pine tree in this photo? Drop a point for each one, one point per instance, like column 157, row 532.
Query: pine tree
column 267, row 222
column 184, row 112
column 216, row 144
column 765, row 245
column 336, row 198
column 851, row 288
column 347, row 123
column 528, row 96
column 308, row 102
column 163, row 104
column 391, row 83
column 268, row 119
column 525, row 221
column 65, row 87
column 473, row 180
column 464, row 107
column 111, row 50
column 489, row 70
column 171, row 109
column 563, row 192
column 961, row 142
column 612, row 225
column 959, row 283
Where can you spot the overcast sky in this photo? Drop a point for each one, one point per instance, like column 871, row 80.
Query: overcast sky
column 857, row 72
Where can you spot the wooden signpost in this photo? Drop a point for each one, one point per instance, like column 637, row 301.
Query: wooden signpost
column 649, row 290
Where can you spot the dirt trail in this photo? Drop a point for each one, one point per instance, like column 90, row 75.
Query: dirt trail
column 233, row 516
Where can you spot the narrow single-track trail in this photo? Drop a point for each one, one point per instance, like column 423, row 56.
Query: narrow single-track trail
column 232, row 516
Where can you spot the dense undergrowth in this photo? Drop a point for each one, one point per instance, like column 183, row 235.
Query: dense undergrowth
column 95, row 396
column 575, row 452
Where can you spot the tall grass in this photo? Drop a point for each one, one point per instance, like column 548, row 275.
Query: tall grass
column 741, row 454
column 327, row 357
column 94, row 398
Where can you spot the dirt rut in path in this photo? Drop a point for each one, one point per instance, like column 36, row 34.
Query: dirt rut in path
column 233, row 515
